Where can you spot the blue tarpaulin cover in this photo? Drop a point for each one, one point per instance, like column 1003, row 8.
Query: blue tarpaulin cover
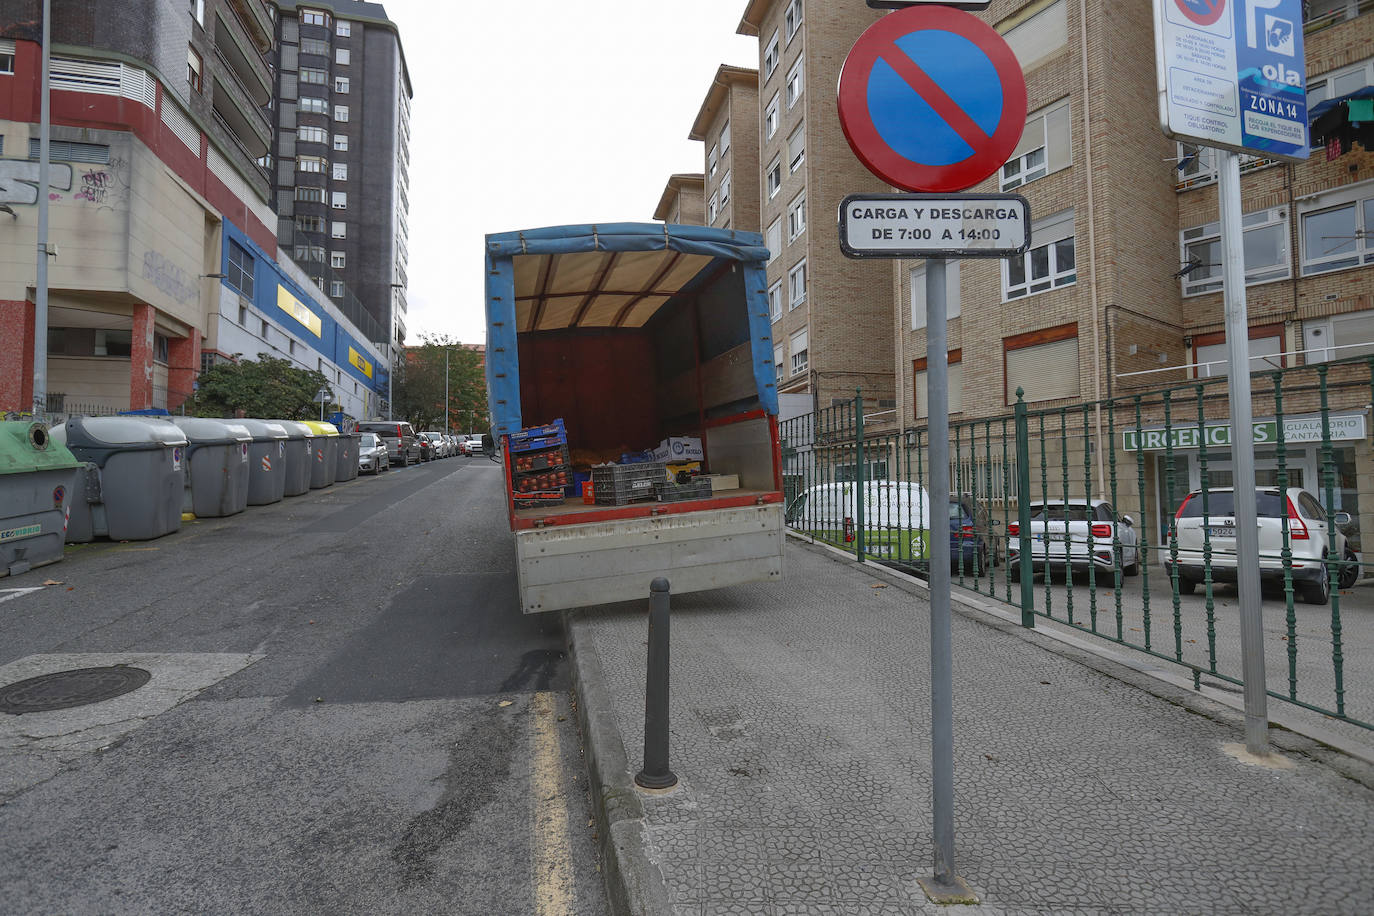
column 609, row 275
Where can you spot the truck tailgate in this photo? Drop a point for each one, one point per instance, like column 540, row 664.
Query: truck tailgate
column 567, row 566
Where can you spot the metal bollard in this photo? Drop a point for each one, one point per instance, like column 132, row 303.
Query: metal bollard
column 656, row 774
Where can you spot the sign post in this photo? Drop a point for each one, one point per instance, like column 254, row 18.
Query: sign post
column 932, row 100
column 1231, row 75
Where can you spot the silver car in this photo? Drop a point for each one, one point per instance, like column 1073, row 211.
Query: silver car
column 372, row 454
column 1080, row 535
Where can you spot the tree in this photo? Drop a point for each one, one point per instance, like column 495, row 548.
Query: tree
column 419, row 388
column 267, row 388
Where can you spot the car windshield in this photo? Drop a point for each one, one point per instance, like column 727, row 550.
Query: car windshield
column 956, row 510
column 1061, row 513
column 1268, row 504
column 369, row 440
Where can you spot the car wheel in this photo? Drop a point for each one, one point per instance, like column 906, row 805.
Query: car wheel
column 1134, row 568
column 1316, row 591
column 405, row 459
column 1350, row 570
column 1186, row 585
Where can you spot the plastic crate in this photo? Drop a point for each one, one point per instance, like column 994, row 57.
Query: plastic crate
column 534, row 438
column 526, row 462
column 676, row 492
column 621, row 484
column 539, row 499
column 542, row 480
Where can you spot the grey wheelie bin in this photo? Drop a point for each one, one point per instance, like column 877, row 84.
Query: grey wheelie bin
column 217, row 465
column 324, row 464
column 300, row 446
column 135, row 475
column 37, row 480
column 347, row 468
column 266, row 461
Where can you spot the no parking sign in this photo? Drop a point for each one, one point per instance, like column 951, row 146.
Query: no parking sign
column 932, row 99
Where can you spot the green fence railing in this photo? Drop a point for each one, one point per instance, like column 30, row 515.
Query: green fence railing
column 1114, row 518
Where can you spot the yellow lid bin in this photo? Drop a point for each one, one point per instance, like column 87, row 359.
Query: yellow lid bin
column 324, row 459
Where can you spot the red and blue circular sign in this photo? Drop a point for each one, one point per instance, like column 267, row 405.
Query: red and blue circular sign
column 1202, row 12
column 932, row 99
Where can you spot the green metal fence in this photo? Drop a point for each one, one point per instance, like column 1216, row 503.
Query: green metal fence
column 1092, row 498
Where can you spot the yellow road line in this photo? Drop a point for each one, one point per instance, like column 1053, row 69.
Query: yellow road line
column 553, row 878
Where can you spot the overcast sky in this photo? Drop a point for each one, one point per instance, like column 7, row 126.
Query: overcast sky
column 531, row 113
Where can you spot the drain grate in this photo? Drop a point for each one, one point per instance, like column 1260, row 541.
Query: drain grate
column 66, row 689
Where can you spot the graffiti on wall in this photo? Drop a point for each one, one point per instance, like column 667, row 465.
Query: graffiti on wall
column 19, row 181
column 168, row 277
column 105, row 186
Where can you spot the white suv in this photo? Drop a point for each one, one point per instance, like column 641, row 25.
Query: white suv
column 1307, row 537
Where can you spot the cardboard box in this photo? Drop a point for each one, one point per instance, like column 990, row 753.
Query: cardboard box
column 722, row 481
column 679, row 448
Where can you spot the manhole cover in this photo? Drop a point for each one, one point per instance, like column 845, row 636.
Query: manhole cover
column 65, row 689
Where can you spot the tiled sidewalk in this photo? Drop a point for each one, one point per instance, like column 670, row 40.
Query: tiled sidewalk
column 800, row 721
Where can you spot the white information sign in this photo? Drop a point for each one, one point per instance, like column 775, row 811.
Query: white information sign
column 934, row 225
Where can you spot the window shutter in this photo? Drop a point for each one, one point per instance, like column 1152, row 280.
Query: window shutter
column 1046, row 372
column 1058, row 137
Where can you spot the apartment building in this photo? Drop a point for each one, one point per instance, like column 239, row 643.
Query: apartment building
column 163, row 253
column 341, row 157
column 832, row 316
column 683, row 200
column 732, row 157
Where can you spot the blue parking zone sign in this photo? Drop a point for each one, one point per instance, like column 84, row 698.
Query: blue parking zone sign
column 1232, row 74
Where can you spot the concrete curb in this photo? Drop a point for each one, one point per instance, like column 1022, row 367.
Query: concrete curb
column 634, row 883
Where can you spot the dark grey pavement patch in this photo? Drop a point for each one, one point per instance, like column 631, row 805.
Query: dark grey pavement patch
column 354, row 517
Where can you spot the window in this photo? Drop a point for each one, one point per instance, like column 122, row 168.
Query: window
column 312, row 135
column 195, row 66
column 795, row 83
column 712, row 162
column 725, row 139
column 1042, row 363
column 307, row 253
column 310, row 163
column 339, row 200
column 796, row 216
column 341, row 142
column 770, row 119
column 777, row 363
column 317, row 46
column 798, row 346
column 238, row 269
column 338, row 229
column 310, row 195
column 1038, row 31
column 1339, row 83
column 770, row 56
column 336, row 289
column 774, row 179
column 6, row 55
column 339, row 171
column 312, row 105
column 314, row 17
column 343, row 56
column 796, row 149
column 1265, row 346
column 1338, row 337
column 337, row 260
column 343, row 29
column 792, row 19
column 775, row 300
column 773, row 239
column 1265, row 234
column 725, row 189
column 198, row 11
column 1045, row 147
column 312, row 76
column 1046, row 266
column 712, row 209
column 341, row 85
column 1336, row 229
column 917, row 278
column 310, row 223
column 340, row 112
column 796, row 284
column 92, row 342
column 954, row 379
column 1197, row 165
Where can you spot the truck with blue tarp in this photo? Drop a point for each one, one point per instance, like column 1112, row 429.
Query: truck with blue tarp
column 605, row 344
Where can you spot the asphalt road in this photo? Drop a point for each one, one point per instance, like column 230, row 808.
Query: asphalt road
column 347, row 714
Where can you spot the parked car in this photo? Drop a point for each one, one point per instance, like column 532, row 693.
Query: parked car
column 471, row 444
column 896, row 518
column 1309, row 541
column 373, row 455
column 1076, row 536
column 427, row 450
column 968, row 549
column 399, row 436
column 452, row 441
column 439, row 442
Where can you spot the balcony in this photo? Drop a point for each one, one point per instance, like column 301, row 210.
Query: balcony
column 236, row 112
column 233, row 46
column 253, row 14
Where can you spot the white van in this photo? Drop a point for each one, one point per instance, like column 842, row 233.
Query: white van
column 896, row 518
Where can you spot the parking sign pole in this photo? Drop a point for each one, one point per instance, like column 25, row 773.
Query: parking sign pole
column 941, row 654
column 1243, row 458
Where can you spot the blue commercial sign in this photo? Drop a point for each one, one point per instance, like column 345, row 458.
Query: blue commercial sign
column 1232, row 74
